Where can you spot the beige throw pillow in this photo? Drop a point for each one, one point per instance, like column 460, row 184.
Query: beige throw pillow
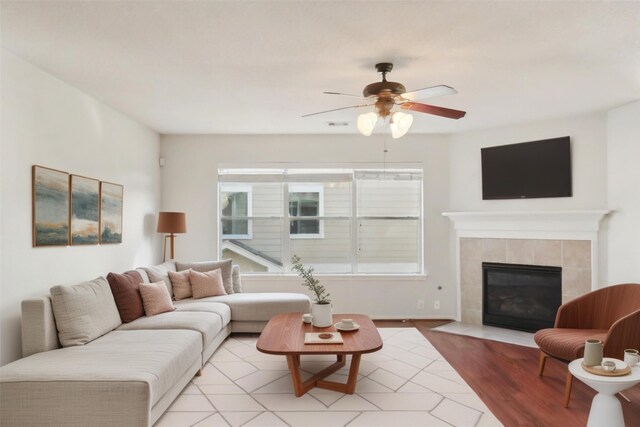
column 180, row 284
column 237, row 283
column 155, row 298
column 84, row 312
column 207, row 284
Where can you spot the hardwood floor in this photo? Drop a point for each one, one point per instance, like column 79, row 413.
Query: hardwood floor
column 505, row 376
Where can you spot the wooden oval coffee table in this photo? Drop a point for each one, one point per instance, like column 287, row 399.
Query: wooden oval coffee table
column 284, row 335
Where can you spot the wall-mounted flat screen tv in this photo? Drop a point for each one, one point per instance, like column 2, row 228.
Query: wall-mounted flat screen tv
column 527, row 170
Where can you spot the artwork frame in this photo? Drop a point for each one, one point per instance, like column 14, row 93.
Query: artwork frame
column 50, row 206
column 84, row 210
column 111, row 209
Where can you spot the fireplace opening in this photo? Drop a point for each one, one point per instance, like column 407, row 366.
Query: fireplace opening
column 522, row 297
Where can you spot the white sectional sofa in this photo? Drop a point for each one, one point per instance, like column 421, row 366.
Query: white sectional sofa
column 129, row 375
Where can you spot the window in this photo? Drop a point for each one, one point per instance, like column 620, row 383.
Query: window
column 305, row 200
column 235, row 203
column 341, row 221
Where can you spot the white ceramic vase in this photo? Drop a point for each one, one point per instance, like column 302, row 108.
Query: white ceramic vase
column 321, row 313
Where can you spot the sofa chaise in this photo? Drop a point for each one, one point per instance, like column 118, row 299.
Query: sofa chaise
column 115, row 373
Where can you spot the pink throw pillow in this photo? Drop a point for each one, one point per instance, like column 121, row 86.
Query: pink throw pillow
column 155, row 298
column 209, row 284
column 181, row 284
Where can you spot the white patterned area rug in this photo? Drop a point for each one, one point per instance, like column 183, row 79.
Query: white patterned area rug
column 407, row 383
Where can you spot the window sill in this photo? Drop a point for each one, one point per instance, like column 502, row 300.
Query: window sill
column 259, row 277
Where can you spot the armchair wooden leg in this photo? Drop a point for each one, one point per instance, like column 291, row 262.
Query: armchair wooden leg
column 567, row 389
column 543, row 360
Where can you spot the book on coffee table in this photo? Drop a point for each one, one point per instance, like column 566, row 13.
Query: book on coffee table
column 319, row 338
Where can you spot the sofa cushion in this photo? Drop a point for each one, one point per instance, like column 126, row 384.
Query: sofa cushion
column 236, row 280
column 155, row 298
column 225, row 266
column 158, row 358
column 218, row 308
column 181, row 284
column 84, row 311
column 144, row 275
column 262, row 306
column 126, row 293
column 160, row 272
column 207, row 324
column 207, row 284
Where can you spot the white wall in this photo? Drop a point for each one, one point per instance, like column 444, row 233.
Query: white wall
column 623, row 156
column 589, row 164
column 190, row 181
column 47, row 122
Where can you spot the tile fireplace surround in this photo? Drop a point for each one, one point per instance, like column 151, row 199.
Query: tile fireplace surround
column 567, row 239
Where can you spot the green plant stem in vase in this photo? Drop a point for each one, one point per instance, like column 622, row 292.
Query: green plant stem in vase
column 313, row 284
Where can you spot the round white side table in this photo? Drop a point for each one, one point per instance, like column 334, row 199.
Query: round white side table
column 606, row 410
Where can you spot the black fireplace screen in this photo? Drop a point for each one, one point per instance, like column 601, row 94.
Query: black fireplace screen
column 523, row 297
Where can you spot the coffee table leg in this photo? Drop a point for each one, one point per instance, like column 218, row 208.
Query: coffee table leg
column 353, row 374
column 293, row 361
column 300, row 388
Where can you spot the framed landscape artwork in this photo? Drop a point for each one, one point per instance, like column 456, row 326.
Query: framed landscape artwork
column 50, row 204
column 111, row 196
column 85, row 210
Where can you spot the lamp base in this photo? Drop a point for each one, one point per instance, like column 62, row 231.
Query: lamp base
column 164, row 247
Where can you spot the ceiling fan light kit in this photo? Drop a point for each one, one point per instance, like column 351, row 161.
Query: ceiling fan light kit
column 400, row 124
column 386, row 95
column 366, row 122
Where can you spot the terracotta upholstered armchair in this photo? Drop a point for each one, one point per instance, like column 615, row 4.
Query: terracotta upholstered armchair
column 610, row 314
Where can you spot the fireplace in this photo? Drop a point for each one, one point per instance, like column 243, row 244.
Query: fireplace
column 523, row 297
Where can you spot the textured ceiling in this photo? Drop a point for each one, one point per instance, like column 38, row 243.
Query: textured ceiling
column 256, row 67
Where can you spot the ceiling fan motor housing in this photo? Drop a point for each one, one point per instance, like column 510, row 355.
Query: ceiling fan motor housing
column 382, row 89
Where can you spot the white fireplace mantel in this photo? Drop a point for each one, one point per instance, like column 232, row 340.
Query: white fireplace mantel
column 578, row 224
column 556, row 225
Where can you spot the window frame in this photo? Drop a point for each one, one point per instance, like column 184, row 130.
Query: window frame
column 237, row 188
column 237, row 178
column 306, row 188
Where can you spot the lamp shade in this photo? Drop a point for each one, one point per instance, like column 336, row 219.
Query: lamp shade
column 366, row 123
column 172, row 222
column 400, row 124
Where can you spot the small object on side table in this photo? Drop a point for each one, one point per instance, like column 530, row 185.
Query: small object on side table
column 609, row 365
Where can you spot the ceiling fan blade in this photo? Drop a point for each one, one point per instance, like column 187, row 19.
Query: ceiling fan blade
column 432, row 109
column 337, row 109
column 343, row 94
column 429, row 92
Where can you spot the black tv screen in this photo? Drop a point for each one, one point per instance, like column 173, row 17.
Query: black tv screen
column 527, row 170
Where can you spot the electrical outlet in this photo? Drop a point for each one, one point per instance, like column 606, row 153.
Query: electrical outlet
column 420, row 304
column 436, row 304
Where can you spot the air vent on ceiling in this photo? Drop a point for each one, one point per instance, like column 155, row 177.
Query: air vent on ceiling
column 337, row 124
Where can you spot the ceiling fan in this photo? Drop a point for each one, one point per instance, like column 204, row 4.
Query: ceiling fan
column 385, row 95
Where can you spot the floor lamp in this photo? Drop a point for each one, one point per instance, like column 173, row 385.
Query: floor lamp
column 172, row 223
